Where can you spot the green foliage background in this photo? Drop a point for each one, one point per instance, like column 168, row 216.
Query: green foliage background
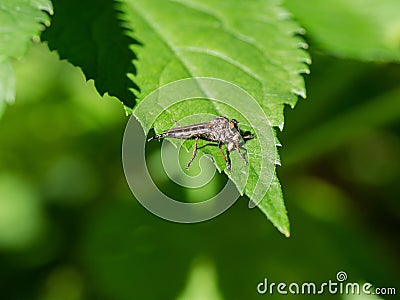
column 69, row 228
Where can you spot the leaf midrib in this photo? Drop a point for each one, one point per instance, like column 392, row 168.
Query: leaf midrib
column 175, row 51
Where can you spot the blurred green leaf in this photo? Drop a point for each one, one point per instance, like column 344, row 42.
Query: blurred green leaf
column 21, row 215
column 91, row 35
column 251, row 44
column 20, row 21
column 202, row 282
column 359, row 29
column 346, row 127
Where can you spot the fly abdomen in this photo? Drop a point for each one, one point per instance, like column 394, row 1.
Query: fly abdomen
column 184, row 132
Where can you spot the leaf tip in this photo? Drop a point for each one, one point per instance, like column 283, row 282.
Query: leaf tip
column 307, row 61
column 302, row 45
column 300, row 31
column 300, row 92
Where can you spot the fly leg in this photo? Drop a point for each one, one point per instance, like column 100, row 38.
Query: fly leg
column 194, row 153
column 240, row 153
column 248, row 137
column 228, row 165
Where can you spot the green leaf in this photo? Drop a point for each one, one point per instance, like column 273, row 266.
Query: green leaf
column 359, row 29
column 252, row 44
column 91, row 35
column 20, row 21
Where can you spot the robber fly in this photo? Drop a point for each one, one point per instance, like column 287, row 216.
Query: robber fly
column 221, row 130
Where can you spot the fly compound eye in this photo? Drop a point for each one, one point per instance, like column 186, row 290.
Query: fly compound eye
column 233, row 123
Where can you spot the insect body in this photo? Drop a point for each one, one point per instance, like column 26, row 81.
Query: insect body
column 221, row 130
